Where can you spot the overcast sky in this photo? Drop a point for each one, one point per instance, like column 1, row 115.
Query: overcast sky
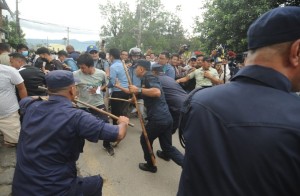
column 53, row 17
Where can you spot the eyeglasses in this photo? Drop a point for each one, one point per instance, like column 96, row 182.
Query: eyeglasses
column 93, row 52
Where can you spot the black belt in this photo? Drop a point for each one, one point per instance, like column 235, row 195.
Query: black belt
column 206, row 86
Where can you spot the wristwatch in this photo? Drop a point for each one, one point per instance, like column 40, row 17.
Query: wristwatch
column 140, row 91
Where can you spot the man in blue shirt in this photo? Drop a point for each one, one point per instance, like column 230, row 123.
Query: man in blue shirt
column 134, row 55
column 63, row 57
column 242, row 138
column 175, row 96
column 163, row 60
column 117, row 72
column 51, row 139
column 72, row 53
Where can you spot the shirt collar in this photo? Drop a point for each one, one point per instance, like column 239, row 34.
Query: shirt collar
column 60, row 99
column 264, row 75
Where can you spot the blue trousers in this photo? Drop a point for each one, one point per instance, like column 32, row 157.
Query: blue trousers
column 88, row 186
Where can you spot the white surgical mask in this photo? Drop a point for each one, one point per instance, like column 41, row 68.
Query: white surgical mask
column 25, row 53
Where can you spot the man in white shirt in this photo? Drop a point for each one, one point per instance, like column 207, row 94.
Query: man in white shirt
column 10, row 79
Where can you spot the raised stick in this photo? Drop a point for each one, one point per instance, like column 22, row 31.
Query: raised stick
column 140, row 116
column 88, row 105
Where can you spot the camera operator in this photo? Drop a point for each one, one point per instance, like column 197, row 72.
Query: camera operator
column 183, row 49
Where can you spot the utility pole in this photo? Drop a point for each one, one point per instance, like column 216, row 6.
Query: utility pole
column 1, row 22
column 18, row 20
column 139, row 40
column 68, row 34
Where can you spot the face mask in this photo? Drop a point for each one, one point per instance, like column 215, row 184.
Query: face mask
column 25, row 53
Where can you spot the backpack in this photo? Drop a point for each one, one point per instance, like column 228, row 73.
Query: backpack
column 100, row 64
column 71, row 63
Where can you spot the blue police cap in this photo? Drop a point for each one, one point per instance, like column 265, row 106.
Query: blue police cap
column 278, row 25
column 143, row 63
column 157, row 67
column 59, row 79
column 92, row 48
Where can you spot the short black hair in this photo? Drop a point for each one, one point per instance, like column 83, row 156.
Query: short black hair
column 199, row 55
column 124, row 51
column 17, row 55
column 102, row 55
column 208, row 59
column 62, row 53
column 42, row 50
column 20, row 46
column 85, row 59
column 177, row 55
column 167, row 54
column 114, row 52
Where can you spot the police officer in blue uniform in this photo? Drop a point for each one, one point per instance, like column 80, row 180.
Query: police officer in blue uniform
column 243, row 138
column 175, row 96
column 51, row 139
column 159, row 118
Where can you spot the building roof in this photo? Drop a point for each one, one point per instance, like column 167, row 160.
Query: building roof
column 4, row 6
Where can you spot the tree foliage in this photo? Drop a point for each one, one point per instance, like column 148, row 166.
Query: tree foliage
column 13, row 38
column 285, row 2
column 226, row 21
column 159, row 29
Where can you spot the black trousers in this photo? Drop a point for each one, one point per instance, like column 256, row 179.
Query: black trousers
column 175, row 115
column 162, row 131
column 100, row 116
column 119, row 108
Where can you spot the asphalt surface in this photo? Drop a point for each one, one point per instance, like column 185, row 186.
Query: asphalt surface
column 121, row 173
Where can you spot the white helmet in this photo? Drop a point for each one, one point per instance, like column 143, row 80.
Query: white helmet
column 135, row 52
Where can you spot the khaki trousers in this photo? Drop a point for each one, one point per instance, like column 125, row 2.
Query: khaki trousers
column 10, row 127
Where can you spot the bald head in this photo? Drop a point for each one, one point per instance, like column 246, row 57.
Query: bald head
column 70, row 48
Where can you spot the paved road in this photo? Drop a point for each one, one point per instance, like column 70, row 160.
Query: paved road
column 121, row 173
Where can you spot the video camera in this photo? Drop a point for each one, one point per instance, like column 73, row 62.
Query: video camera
column 183, row 49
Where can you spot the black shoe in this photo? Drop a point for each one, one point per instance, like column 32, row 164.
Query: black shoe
column 147, row 167
column 162, row 155
column 110, row 150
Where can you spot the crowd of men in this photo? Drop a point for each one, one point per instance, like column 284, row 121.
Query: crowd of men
column 245, row 144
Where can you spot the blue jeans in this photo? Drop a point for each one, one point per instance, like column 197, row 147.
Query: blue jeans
column 162, row 131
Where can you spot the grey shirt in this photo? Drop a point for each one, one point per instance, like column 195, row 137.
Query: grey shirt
column 87, row 82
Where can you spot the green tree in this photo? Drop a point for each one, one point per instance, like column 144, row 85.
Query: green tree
column 159, row 29
column 285, row 2
column 119, row 26
column 226, row 21
column 13, row 38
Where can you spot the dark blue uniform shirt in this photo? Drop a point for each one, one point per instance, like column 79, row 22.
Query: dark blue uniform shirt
column 51, row 138
column 174, row 93
column 243, row 138
column 157, row 108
